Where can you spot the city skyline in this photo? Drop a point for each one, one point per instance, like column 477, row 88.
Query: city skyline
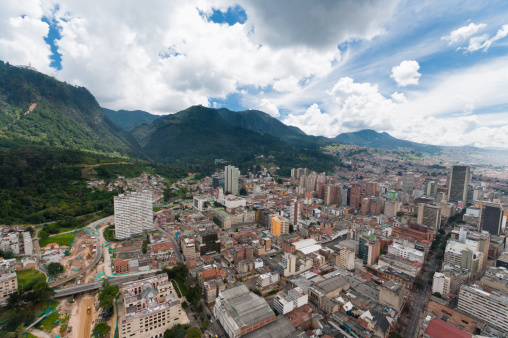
column 430, row 73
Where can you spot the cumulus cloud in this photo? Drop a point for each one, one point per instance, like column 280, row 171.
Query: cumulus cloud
column 357, row 106
column 266, row 106
column 316, row 24
column 463, row 33
column 406, row 73
column 484, row 42
column 167, row 56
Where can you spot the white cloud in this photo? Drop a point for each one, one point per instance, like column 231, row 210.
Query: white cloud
column 406, row 73
column 483, row 42
column 357, row 106
column 463, row 33
column 286, row 85
column 266, row 106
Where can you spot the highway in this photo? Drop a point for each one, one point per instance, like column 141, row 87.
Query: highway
column 76, row 289
column 93, row 263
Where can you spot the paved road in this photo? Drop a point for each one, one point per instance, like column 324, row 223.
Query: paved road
column 107, row 257
column 93, row 263
column 175, row 245
column 420, row 298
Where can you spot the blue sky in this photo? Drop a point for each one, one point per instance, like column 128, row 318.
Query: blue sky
column 431, row 71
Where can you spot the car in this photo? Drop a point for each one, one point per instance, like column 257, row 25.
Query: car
column 69, row 329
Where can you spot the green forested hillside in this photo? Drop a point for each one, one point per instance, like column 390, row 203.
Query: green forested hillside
column 39, row 183
column 199, row 135
column 128, row 119
column 37, row 107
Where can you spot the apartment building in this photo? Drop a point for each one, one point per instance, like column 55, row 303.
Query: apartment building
column 133, row 213
column 279, row 226
column 441, row 283
column 151, row 307
column 485, row 303
column 8, row 285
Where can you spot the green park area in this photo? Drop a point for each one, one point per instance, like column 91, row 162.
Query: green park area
column 62, row 240
column 26, row 277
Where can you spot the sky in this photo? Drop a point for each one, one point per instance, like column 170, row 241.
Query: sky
column 434, row 72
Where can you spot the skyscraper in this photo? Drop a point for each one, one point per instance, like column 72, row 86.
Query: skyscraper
column 133, row 213
column 459, row 181
column 231, row 175
column 491, row 217
column 408, row 181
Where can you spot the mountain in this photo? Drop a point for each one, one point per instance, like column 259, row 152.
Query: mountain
column 128, row 119
column 265, row 124
column 38, row 108
column 372, row 139
column 199, row 134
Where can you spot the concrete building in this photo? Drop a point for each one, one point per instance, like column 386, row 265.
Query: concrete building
column 10, row 243
column 485, row 303
column 392, row 207
column 346, row 258
column 463, row 255
column 430, row 216
column 240, row 311
column 279, row 226
column 287, row 265
column 189, row 248
column 327, row 289
column 27, row 241
column 199, row 202
column 406, row 251
column 392, row 294
column 459, row 182
column 8, row 285
column 151, row 307
column 283, row 303
column 369, row 249
column 441, row 283
column 133, row 213
column 207, row 242
column 231, row 175
column 408, row 181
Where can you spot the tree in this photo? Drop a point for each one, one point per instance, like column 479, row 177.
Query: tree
column 14, row 300
column 108, row 294
column 55, row 268
column 206, row 324
column 144, row 248
column 101, row 329
column 42, row 292
column 216, row 220
column 438, row 294
column 43, row 234
column 400, row 214
column 184, row 305
column 243, row 191
column 193, row 332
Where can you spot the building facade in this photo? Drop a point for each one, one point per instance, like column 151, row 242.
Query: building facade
column 133, row 213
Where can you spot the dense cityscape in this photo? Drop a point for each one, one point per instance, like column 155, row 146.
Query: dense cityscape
column 367, row 252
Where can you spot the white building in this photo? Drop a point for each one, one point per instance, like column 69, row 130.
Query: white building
column 27, row 241
column 299, row 297
column 441, row 284
column 283, row 303
column 199, row 202
column 231, row 175
column 10, row 243
column 133, row 213
column 406, row 252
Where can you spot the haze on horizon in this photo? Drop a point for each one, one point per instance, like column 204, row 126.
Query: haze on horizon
column 430, row 72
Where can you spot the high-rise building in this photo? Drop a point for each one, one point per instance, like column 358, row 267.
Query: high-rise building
column 429, row 215
column 287, row 265
column 369, row 249
column 355, row 196
column 330, row 196
column 408, row 181
column 133, row 213
column 231, row 175
column 486, row 303
column 459, row 182
column 491, row 217
column 279, row 226
column 208, row 242
column 8, row 285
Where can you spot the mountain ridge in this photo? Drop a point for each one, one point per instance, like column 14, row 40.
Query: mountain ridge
column 128, row 119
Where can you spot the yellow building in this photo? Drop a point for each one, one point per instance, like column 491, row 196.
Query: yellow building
column 279, row 226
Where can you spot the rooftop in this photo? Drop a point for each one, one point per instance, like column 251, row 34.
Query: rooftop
column 439, row 329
